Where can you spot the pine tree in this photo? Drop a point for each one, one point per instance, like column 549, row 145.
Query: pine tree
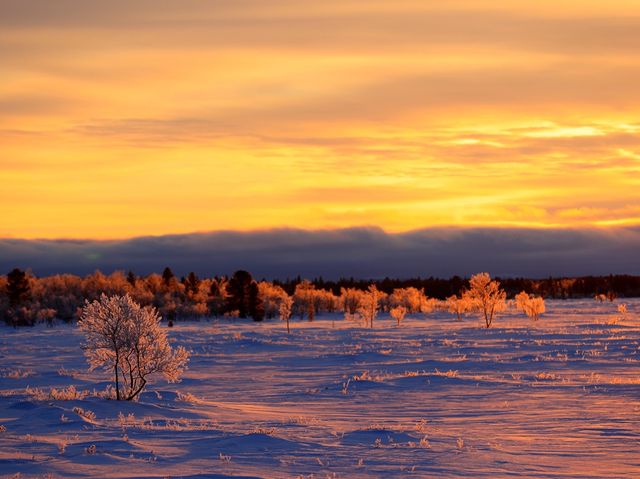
column 167, row 276
column 191, row 283
column 243, row 296
column 18, row 288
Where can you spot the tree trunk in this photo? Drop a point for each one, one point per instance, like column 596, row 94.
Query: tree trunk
column 115, row 370
column 133, row 395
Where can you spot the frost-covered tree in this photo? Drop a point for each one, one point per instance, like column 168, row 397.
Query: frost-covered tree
column 486, row 297
column 304, row 299
column 458, row 305
column 532, row 306
column 286, row 304
column 127, row 340
column 271, row 296
column 398, row 313
column 369, row 304
column 350, row 299
column 411, row 298
column 325, row 300
column 217, row 296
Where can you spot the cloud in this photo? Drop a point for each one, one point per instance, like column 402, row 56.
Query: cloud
column 355, row 24
column 359, row 252
column 165, row 116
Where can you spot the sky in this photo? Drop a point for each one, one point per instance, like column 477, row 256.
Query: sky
column 123, row 119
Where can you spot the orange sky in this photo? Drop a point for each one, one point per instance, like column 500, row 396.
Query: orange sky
column 123, row 118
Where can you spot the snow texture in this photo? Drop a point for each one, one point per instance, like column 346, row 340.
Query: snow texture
column 433, row 397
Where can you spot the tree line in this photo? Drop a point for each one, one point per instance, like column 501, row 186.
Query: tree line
column 26, row 299
column 126, row 340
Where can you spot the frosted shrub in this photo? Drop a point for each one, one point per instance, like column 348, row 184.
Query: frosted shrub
column 350, row 299
column 303, row 298
column 532, row 306
column 272, row 297
column 458, row 305
column 186, row 397
column 622, row 309
column 398, row 313
column 428, row 305
column 70, row 393
column 126, row 340
column 90, row 415
column 486, row 297
column 412, row 299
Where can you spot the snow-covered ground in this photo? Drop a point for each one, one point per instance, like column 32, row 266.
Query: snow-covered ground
column 432, row 398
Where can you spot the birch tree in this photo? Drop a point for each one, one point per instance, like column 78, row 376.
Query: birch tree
column 127, row 340
column 486, row 297
column 368, row 308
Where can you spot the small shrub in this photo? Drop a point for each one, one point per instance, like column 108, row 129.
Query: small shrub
column 398, row 313
column 90, row 415
column 186, row 397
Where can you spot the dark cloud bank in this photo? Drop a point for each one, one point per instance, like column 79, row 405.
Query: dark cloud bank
column 357, row 252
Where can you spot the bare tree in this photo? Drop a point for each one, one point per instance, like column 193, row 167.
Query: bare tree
column 486, row 296
column 127, row 340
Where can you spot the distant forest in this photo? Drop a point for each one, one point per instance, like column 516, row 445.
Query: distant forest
column 26, row 299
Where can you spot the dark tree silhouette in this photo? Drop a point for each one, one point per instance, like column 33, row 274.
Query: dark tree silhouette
column 18, row 289
column 131, row 278
column 167, row 276
column 242, row 296
column 191, row 283
column 256, row 308
column 217, row 295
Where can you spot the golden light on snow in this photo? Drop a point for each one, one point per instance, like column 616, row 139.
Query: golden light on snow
column 134, row 120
